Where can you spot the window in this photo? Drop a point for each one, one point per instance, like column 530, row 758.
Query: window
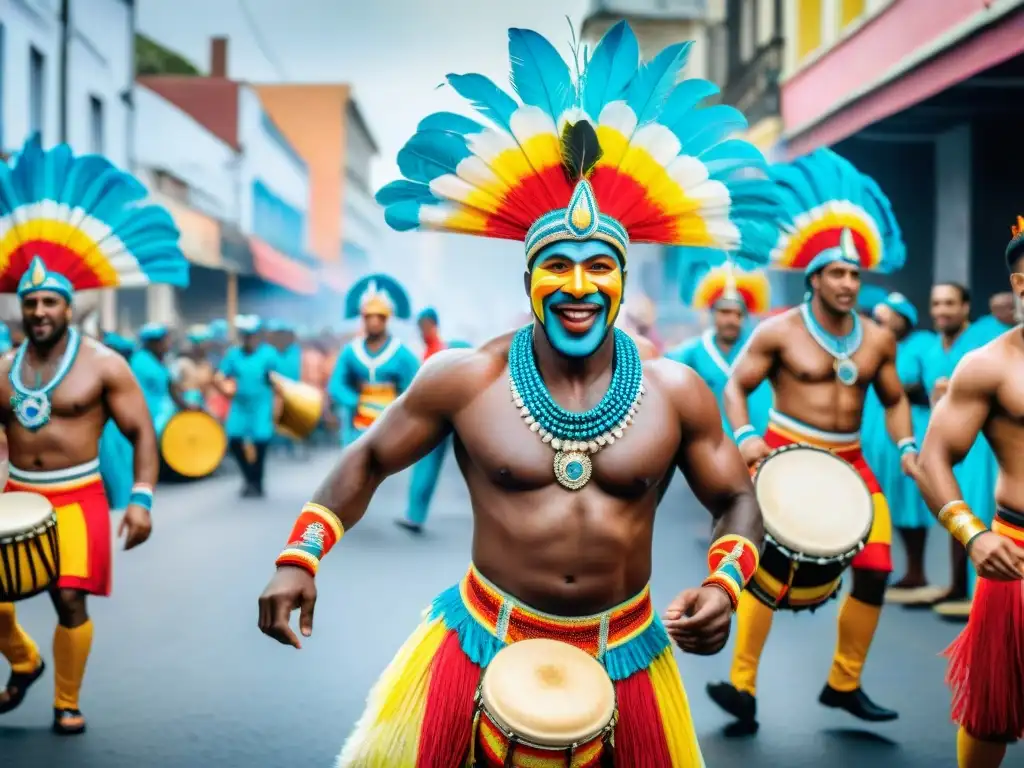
column 809, row 20
column 36, row 90
column 96, row 125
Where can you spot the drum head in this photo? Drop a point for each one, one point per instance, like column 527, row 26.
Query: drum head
column 21, row 511
column 193, row 443
column 547, row 692
column 813, row 502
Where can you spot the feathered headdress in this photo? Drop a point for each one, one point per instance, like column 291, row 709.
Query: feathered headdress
column 834, row 213
column 1015, row 248
column 377, row 295
column 727, row 283
column 620, row 153
column 72, row 223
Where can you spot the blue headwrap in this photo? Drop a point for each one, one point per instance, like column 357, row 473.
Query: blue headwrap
column 38, row 278
column 199, row 334
column 901, row 305
column 152, row 332
column 218, row 329
column 248, row 324
column 428, row 314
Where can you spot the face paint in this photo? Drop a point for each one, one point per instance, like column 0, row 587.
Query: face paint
column 576, row 293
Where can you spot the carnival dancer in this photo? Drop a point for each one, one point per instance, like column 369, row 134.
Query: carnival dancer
column 116, row 456
column 820, row 358
column 563, row 500
column 163, row 395
column 73, row 223
column 732, row 296
column 986, row 666
column 956, row 337
column 910, row 516
column 375, row 368
column 250, row 423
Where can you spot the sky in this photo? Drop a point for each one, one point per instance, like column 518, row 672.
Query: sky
column 394, row 53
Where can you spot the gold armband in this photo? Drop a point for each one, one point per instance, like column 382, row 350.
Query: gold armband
column 962, row 524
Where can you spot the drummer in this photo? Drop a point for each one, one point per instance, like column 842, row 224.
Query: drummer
column 375, row 368
column 559, row 524
column 58, row 389
column 193, row 372
column 820, row 358
column 164, row 396
column 733, row 297
column 250, row 422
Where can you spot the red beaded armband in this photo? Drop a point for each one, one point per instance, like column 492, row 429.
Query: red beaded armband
column 316, row 531
column 732, row 561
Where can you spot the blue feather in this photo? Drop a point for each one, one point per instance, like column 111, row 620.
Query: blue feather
column 709, row 126
column 429, row 154
column 653, row 83
column 403, row 190
column 686, row 96
column 487, row 98
column 451, row 123
column 611, row 69
column 539, row 73
column 403, row 216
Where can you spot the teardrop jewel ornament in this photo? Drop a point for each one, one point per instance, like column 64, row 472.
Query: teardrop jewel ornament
column 842, row 348
column 582, row 216
column 32, row 406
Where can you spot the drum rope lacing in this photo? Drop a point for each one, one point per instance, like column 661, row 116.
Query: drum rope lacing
column 572, row 434
column 32, row 404
column 841, row 348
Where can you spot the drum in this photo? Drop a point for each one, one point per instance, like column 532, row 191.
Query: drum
column 192, row 445
column 301, row 407
column 29, row 557
column 544, row 704
column 817, row 513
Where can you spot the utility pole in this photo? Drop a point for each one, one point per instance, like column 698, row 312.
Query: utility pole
column 65, row 61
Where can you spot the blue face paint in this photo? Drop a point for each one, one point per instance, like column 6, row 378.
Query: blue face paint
column 581, row 273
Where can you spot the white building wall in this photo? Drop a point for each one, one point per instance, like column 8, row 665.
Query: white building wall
column 28, row 24
column 169, row 139
column 265, row 160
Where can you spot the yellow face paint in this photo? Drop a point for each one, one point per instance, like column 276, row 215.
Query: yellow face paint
column 577, row 279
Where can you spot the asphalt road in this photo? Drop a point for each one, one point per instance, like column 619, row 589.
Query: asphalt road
column 181, row 678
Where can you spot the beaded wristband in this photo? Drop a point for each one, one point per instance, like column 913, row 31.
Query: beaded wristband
column 732, row 561
column 316, row 531
column 962, row 524
column 141, row 496
column 907, row 445
column 744, row 432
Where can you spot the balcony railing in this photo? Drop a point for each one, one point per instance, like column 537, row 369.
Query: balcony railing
column 753, row 85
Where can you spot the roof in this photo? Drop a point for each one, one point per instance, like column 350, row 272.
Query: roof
column 211, row 101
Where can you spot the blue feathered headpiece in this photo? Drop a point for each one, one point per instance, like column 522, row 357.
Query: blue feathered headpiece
column 834, row 213
column 82, row 223
column 377, row 295
column 622, row 151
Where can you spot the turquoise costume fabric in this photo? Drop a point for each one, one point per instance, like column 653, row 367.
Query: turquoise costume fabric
column 714, row 366
column 364, row 383
column 155, row 381
column 251, row 415
column 291, row 362
column 906, row 506
column 117, row 457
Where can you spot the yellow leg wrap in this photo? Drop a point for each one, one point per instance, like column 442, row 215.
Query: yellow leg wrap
column 857, row 624
column 70, row 655
column 753, row 622
column 975, row 753
column 15, row 644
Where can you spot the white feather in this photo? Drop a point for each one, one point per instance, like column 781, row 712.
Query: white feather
column 658, row 141
column 528, row 121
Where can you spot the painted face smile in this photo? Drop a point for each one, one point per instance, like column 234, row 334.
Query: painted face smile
column 576, row 292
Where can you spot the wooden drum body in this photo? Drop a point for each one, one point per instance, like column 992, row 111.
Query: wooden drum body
column 29, row 555
column 544, row 704
column 299, row 409
column 818, row 513
column 192, row 445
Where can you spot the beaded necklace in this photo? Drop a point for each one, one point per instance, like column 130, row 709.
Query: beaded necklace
column 574, row 435
column 32, row 404
column 842, row 348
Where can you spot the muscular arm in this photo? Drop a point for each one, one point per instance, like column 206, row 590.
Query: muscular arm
column 749, row 372
column 711, row 462
column 127, row 407
column 407, row 431
column 891, row 394
column 957, row 420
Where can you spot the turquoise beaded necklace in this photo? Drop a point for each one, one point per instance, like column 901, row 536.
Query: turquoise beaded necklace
column 575, row 435
column 842, row 348
column 32, row 404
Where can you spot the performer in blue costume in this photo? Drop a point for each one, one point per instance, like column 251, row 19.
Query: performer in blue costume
column 976, row 474
column 732, row 296
column 250, row 422
column 910, row 516
column 282, row 337
column 163, row 396
column 374, row 369
column 116, row 453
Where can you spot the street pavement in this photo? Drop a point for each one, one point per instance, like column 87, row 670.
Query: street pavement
column 180, row 676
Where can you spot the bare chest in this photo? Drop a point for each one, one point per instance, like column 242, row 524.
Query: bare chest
column 804, row 359
column 77, row 393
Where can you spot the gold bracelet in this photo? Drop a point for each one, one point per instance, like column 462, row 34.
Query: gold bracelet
column 962, row 524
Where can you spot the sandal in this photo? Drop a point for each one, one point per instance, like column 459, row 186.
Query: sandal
column 17, row 686
column 68, row 722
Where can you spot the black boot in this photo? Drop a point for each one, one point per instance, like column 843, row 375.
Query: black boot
column 857, row 703
column 739, row 704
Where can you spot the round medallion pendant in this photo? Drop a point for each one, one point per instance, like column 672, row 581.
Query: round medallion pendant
column 572, row 469
column 846, row 372
column 32, row 410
